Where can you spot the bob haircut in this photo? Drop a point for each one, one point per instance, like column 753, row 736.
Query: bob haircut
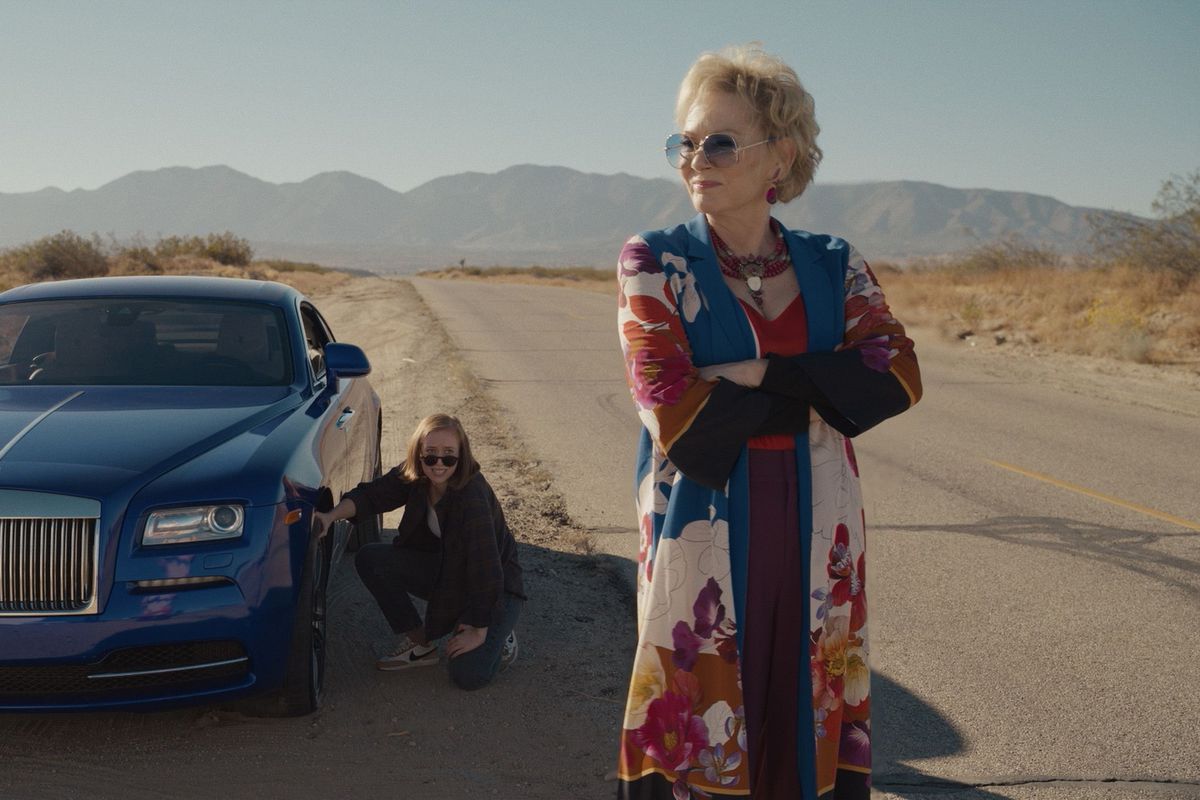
column 772, row 90
column 467, row 465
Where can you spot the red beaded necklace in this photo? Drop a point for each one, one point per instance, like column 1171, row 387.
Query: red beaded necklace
column 752, row 269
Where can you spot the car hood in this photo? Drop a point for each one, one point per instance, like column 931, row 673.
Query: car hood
column 89, row 441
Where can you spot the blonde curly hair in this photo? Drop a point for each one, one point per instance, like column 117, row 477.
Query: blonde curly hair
column 780, row 104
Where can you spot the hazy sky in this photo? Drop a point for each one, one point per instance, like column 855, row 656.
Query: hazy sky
column 1095, row 103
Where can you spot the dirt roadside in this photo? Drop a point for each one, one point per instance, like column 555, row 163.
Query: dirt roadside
column 547, row 728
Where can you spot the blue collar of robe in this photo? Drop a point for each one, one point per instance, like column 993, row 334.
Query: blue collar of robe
column 724, row 334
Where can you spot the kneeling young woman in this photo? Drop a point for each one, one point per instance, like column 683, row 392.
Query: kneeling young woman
column 452, row 549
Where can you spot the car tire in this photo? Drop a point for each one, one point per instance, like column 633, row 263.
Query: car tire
column 369, row 528
column 304, row 681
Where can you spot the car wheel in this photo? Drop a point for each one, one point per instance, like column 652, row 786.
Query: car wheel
column 304, row 682
column 369, row 528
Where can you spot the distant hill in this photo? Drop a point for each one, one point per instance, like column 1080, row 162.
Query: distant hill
column 522, row 215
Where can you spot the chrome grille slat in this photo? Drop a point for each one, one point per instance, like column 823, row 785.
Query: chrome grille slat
column 47, row 566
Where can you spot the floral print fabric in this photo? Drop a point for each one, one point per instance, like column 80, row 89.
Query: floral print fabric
column 684, row 729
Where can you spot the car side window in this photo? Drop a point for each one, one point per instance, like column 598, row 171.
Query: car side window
column 316, row 336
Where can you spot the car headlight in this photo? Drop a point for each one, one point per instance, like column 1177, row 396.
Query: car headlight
column 194, row 524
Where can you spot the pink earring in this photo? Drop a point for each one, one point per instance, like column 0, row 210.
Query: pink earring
column 772, row 195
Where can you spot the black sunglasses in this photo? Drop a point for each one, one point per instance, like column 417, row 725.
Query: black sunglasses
column 720, row 149
column 430, row 460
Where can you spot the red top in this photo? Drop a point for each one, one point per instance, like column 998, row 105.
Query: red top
column 786, row 335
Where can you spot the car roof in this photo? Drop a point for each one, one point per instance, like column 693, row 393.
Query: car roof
column 157, row 286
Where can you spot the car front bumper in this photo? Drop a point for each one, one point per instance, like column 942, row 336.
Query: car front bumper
column 155, row 646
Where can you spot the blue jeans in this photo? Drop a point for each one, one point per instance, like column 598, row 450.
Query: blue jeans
column 476, row 668
column 394, row 575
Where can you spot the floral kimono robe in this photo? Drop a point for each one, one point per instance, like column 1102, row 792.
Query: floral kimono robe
column 684, row 731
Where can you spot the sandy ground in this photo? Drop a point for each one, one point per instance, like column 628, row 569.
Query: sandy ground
column 547, row 728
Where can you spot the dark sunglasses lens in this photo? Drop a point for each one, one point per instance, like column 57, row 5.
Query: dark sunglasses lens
column 449, row 461
column 720, row 149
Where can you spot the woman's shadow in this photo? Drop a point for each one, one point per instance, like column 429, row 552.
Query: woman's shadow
column 906, row 729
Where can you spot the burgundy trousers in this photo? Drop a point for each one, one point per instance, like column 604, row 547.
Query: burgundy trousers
column 774, row 628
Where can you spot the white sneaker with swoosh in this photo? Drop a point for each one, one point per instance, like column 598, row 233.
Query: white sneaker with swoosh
column 408, row 656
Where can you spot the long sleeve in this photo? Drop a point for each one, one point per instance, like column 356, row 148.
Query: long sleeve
column 485, row 573
column 386, row 493
column 872, row 376
column 700, row 425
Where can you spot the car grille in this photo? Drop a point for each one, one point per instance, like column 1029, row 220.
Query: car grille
column 47, row 566
column 130, row 669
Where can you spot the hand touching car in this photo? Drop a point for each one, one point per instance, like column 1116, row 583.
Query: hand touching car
column 323, row 520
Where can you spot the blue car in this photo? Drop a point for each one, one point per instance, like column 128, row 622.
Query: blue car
column 163, row 444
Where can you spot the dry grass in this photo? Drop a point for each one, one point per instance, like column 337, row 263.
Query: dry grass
column 66, row 255
column 1112, row 311
column 307, row 278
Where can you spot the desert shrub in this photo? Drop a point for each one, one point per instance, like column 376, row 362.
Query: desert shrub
column 971, row 312
column 137, row 259
column 1170, row 243
column 57, row 257
column 172, row 246
column 1006, row 253
column 224, row 248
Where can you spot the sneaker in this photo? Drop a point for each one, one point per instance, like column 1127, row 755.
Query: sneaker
column 509, row 654
column 408, row 656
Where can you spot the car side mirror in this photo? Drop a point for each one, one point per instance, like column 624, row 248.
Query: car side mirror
column 346, row 360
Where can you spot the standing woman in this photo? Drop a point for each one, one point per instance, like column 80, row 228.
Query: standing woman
column 453, row 549
column 752, row 353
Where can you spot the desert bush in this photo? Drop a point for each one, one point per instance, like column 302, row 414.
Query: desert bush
column 60, row 256
column 971, row 312
column 68, row 255
column 1170, row 243
column 1008, row 252
column 172, row 246
column 139, row 259
column 224, row 248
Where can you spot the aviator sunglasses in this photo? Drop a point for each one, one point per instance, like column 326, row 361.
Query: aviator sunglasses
column 720, row 149
column 430, row 460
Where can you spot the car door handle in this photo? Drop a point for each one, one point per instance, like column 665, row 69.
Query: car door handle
column 345, row 419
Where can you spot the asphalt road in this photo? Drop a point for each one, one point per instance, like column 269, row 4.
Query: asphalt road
column 1035, row 550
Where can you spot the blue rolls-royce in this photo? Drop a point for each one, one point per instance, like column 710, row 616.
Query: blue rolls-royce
column 163, row 443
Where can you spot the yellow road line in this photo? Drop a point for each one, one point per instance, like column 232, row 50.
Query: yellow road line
column 1116, row 501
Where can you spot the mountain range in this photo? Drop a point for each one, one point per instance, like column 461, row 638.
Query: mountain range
column 522, row 215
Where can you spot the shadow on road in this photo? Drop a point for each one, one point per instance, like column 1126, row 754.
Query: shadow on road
column 905, row 729
column 1139, row 552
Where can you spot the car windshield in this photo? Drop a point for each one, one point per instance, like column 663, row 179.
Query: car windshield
column 137, row 341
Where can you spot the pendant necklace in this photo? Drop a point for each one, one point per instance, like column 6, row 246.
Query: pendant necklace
column 752, row 269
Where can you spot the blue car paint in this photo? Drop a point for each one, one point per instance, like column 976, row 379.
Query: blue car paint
column 137, row 449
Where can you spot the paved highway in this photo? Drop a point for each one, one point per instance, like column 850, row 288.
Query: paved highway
column 1034, row 560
